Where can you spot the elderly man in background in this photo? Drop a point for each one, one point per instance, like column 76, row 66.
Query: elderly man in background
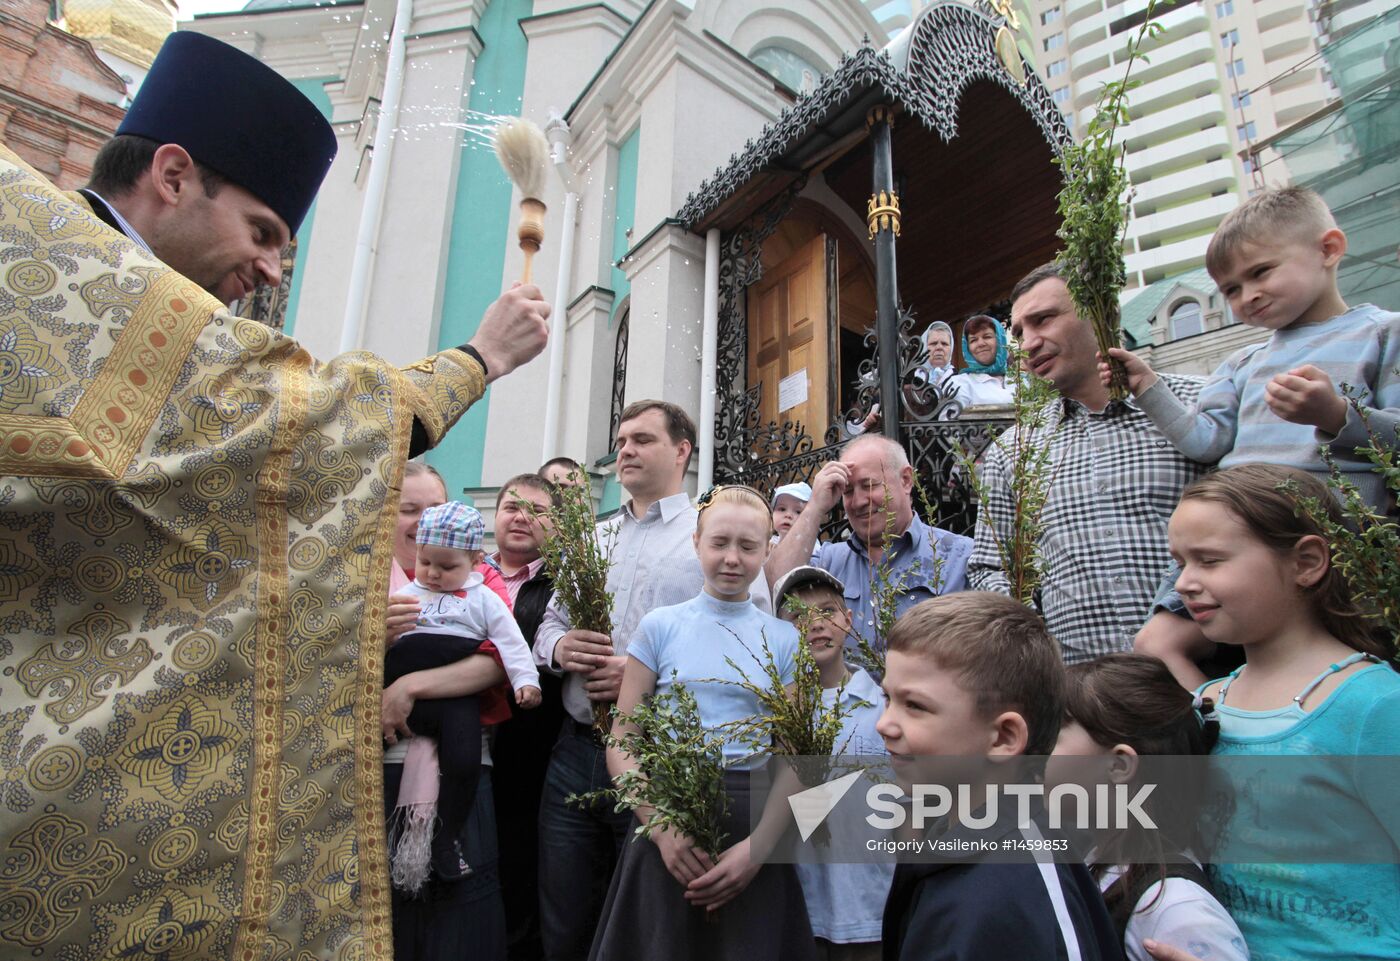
column 874, row 481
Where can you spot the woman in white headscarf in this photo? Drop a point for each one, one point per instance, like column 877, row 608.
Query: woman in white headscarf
column 937, row 368
column 938, row 341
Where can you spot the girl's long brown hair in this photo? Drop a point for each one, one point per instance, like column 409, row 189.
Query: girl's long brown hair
column 1133, row 699
column 1265, row 498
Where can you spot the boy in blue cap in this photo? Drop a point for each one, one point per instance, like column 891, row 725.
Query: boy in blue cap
column 844, row 900
column 457, row 612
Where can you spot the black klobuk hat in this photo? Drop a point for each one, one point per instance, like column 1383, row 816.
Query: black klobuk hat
column 238, row 117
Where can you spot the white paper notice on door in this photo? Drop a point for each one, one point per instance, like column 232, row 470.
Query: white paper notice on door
column 792, row 390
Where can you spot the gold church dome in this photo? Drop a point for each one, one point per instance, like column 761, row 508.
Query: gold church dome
column 130, row 29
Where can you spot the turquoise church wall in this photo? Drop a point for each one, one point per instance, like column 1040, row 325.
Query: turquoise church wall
column 624, row 214
column 314, row 89
column 480, row 227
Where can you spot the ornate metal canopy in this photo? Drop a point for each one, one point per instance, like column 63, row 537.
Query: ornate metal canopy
column 926, row 74
column 950, row 46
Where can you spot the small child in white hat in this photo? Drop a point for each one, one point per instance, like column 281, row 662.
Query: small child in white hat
column 788, row 502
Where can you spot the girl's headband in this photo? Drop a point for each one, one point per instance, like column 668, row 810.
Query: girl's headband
column 707, row 499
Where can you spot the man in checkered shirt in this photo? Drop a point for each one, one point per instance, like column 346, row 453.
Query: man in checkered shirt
column 1115, row 482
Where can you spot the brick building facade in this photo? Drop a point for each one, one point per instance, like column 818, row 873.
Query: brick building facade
column 58, row 102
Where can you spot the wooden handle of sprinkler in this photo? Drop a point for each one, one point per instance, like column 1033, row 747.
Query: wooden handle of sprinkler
column 531, row 232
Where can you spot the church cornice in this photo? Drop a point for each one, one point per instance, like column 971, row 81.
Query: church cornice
column 659, row 40
column 572, row 18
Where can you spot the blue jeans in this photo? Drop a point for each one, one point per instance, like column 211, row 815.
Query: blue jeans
column 579, row 846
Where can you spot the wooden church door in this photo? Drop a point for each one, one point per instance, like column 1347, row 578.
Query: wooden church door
column 790, row 339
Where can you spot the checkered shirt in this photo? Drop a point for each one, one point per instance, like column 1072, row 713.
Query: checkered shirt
column 1116, row 480
column 452, row 525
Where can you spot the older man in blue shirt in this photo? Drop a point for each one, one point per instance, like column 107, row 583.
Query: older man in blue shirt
column 875, row 483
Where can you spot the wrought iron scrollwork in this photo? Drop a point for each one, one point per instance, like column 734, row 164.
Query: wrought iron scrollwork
column 920, row 399
column 951, row 48
column 855, row 72
column 619, row 384
column 741, row 440
column 953, row 45
column 936, row 450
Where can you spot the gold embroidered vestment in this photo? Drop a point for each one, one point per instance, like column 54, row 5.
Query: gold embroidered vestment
column 194, row 517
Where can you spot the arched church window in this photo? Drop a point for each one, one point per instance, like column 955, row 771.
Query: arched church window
column 788, row 68
column 1184, row 320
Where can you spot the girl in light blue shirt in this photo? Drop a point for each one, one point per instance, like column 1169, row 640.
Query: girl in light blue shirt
column 1315, row 682
column 665, row 887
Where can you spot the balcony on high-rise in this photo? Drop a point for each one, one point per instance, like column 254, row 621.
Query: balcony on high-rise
column 1158, row 159
column 1088, row 30
column 1196, row 216
column 1292, row 104
column 1288, row 37
column 1076, row 10
column 1188, row 43
column 1206, row 110
column 1160, row 262
column 1198, row 180
column 1167, row 91
column 1272, row 13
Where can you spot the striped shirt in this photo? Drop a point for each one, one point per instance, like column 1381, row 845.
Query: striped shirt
column 1116, row 480
column 522, row 576
column 1232, row 422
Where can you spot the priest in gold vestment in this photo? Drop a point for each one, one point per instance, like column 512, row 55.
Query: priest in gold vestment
column 194, row 520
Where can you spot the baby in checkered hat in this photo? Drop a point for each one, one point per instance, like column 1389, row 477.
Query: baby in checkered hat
column 457, row 612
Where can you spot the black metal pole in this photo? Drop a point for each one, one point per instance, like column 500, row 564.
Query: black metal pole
column 883, row 220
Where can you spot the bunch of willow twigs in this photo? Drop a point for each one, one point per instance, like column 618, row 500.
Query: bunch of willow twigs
column 1031, row 475
column 578, row 564
column 1366, row 545
column 796, row 723
column 1093, row 214
column 679, row 775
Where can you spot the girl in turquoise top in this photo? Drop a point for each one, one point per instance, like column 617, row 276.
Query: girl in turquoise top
column 666, row 891
column 1257, row 574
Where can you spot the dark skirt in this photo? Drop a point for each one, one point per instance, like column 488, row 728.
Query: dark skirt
column 458, row 920
column 646, row 914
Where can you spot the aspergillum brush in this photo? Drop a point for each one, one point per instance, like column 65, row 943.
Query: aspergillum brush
column 524, row 153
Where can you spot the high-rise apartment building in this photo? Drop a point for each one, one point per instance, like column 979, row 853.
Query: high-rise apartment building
column 1223, row 74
